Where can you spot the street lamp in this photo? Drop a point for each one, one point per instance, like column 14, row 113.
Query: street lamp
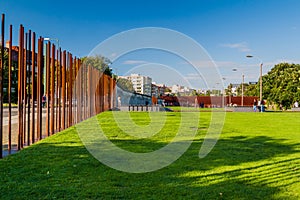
column 243, row 77
column 260, row 79
column 55, row 39
column 243, row 80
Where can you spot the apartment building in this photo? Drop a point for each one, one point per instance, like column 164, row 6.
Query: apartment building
column 141, row 84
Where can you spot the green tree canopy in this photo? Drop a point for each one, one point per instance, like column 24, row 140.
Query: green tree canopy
column 100, row 62
column 14, row 76
column 125, row 84
column 282, row 84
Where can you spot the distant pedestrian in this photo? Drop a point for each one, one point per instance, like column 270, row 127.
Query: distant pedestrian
column 44, row 101
column 196, row 103
column 254, row 105
column 201, row 105
column 119, row 101
column 296, row 104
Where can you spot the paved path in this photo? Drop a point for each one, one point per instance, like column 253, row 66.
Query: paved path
column 15, row 128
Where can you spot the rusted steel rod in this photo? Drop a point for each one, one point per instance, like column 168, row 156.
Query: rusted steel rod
column 84, row 91
column 59, row 88
column 52, row 88
column 20, row 86
column 67, row 87
column 56, row 93
column 9, row 87
column 39, row 87
column 29, row 65
column 105, row 90
column 77, row 89
column 64, row 83
column 80, row 84
column 89, row 94
column 74, row 101
column 48, row 75
column 38, row 122
column 24, row 89
column 1, row 85
column 70, row 90
column 33, row 86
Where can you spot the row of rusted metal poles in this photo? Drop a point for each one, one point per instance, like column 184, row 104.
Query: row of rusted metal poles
column 73, row 91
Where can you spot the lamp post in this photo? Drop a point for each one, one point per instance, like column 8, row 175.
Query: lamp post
column 260, row 79
column 243, row 77
column 243, row 80
column 55, row 39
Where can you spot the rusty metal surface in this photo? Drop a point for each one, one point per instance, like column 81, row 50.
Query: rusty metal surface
column 40, row 65
column 1, row 84
column 64, row 83
column 9, row 87
column 28, row 88
column 20, row 87
column 48, row 61
column 70, row 88
column 33, row 86
column 52, row 88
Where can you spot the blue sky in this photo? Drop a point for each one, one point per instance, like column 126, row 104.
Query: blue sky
column 227, row 29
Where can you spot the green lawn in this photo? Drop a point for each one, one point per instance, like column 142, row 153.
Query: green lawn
column 193, row 109
column 256, row 157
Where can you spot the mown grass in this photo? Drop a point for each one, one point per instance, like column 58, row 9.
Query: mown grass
column 193, row 109
column 256, row 157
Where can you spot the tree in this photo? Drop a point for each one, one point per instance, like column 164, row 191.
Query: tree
column 125, row 84
column 208, row 93
column 194, row 93
column 168, row 90
column 228, row 91
column 100, row 62
column 280, row 86
column 14, row 83
column 252, row 90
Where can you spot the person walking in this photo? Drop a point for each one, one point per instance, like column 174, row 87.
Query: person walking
column 254, row 105
column 296, row 104
column 44, row 100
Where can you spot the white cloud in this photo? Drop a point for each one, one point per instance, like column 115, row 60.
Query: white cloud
column 242, row 46
column 285, row 61
column 193, row 76
column 113, row 55
column 134, row 62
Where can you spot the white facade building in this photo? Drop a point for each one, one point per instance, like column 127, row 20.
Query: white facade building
column 181, row 89
column 141, row 84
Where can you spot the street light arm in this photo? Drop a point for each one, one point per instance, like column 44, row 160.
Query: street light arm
column 55, row 39
column 260, row 78
column 256, row 57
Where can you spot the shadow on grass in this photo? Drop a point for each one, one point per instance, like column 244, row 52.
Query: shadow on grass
column 237, row 168
column 241, row 149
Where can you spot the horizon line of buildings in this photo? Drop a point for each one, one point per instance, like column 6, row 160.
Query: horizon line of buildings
column 144, row 85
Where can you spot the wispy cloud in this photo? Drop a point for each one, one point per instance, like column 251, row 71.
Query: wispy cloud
column 113, row 55
column 242, row 46
column 134, row 62
column 193, row 76
column 285, row 61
